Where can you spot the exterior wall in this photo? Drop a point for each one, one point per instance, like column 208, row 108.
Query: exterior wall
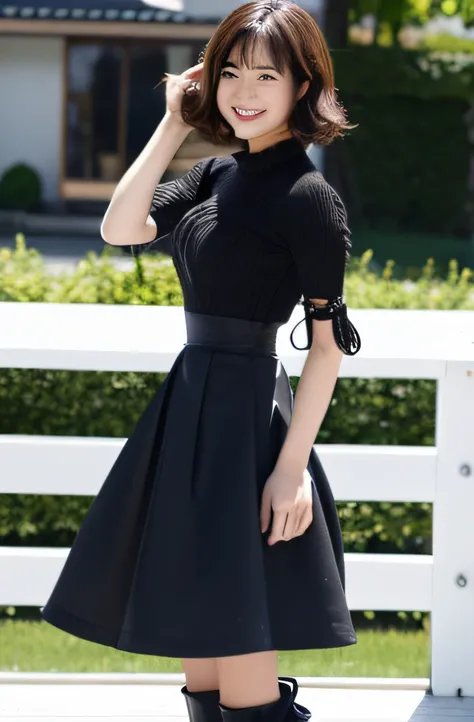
column 179, row 58
column 31, row 93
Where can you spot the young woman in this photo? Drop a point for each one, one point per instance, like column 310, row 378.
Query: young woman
column 215, row 537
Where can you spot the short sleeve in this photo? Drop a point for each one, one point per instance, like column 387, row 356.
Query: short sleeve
column 171, row 201
column 320, row 245
column 320, row 238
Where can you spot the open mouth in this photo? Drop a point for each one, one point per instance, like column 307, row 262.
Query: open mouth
column 243, row 114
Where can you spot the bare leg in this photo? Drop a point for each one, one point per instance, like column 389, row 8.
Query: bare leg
column 248, row 680
column 201, row 674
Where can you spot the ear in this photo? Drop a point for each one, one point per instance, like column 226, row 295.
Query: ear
column 302, row 89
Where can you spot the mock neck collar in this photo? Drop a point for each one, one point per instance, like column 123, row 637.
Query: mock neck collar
column 273, row 155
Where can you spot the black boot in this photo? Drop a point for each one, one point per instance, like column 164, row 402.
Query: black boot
column 203, row 706
column 284, row 709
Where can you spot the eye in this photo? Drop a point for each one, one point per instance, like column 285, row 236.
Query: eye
column 227, row 73
column 265, row 75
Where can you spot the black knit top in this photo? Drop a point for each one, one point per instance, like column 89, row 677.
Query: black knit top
column 253, row 234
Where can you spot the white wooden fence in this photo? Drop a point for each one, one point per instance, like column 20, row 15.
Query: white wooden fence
column 396, row 344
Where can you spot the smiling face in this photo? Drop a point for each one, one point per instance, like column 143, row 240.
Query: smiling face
column 257, row 101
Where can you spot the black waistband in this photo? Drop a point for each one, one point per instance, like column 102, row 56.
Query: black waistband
column 238, row 334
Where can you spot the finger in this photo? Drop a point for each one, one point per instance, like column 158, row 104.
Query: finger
column 184, row 82
column 291, row 525
column 190, row 73
column 188, row 87
column 305, row 522
column 279, row 521
column 300, row 517
column 294, row 521
column 195, row 70
column 187, row 82
column 191, row 90
column 181, row 81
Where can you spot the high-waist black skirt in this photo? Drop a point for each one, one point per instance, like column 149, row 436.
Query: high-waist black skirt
column 170, row 559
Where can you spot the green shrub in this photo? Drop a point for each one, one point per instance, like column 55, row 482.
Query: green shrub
column 448, row 43
column 20, row 188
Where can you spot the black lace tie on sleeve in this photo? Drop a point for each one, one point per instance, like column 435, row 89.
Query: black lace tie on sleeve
column 345, row 333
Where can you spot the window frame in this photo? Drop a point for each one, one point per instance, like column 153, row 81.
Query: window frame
column 95, row 189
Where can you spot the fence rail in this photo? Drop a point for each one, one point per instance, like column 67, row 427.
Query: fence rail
column 436, row 345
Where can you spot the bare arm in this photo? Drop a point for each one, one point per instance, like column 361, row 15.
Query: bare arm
column 127, row 218
column 320, row 246
column 288, row 490
column 312, row 398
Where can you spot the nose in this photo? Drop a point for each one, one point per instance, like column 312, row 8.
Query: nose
column 245, row 91
column 247, row 100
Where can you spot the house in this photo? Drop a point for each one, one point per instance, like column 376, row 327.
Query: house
column 77, row 81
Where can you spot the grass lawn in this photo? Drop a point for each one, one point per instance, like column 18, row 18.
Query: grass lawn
column 39, row 647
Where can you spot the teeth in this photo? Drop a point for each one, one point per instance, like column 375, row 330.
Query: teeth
column 247, row 112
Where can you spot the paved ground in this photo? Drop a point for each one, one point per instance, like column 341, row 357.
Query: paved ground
column 164, row 703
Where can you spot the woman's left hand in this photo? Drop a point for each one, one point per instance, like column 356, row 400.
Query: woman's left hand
column 289, row 493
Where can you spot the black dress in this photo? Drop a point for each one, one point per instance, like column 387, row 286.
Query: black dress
column 170, row 559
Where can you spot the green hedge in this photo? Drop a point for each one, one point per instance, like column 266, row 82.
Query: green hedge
column 409, row 155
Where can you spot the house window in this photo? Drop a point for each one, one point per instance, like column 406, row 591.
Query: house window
column 93, row 111
column 112, row 106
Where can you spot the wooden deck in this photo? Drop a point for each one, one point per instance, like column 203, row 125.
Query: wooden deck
column 32, row 702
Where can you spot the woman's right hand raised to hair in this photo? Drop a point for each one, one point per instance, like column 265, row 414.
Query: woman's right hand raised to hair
column 177, row 86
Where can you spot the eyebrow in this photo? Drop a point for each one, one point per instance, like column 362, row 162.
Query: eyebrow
column 228, row 64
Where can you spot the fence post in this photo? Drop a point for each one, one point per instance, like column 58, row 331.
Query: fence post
column 452, row 616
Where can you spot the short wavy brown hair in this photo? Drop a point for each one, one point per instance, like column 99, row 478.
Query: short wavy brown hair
column 293, row 40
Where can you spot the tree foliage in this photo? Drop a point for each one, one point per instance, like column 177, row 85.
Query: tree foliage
column 396, row 13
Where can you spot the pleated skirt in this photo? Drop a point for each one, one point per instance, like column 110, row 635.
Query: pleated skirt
column 170, row 559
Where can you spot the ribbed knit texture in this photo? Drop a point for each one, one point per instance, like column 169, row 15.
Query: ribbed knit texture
column 253, row 233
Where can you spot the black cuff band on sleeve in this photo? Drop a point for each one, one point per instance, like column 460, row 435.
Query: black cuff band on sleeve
column 345, row 333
